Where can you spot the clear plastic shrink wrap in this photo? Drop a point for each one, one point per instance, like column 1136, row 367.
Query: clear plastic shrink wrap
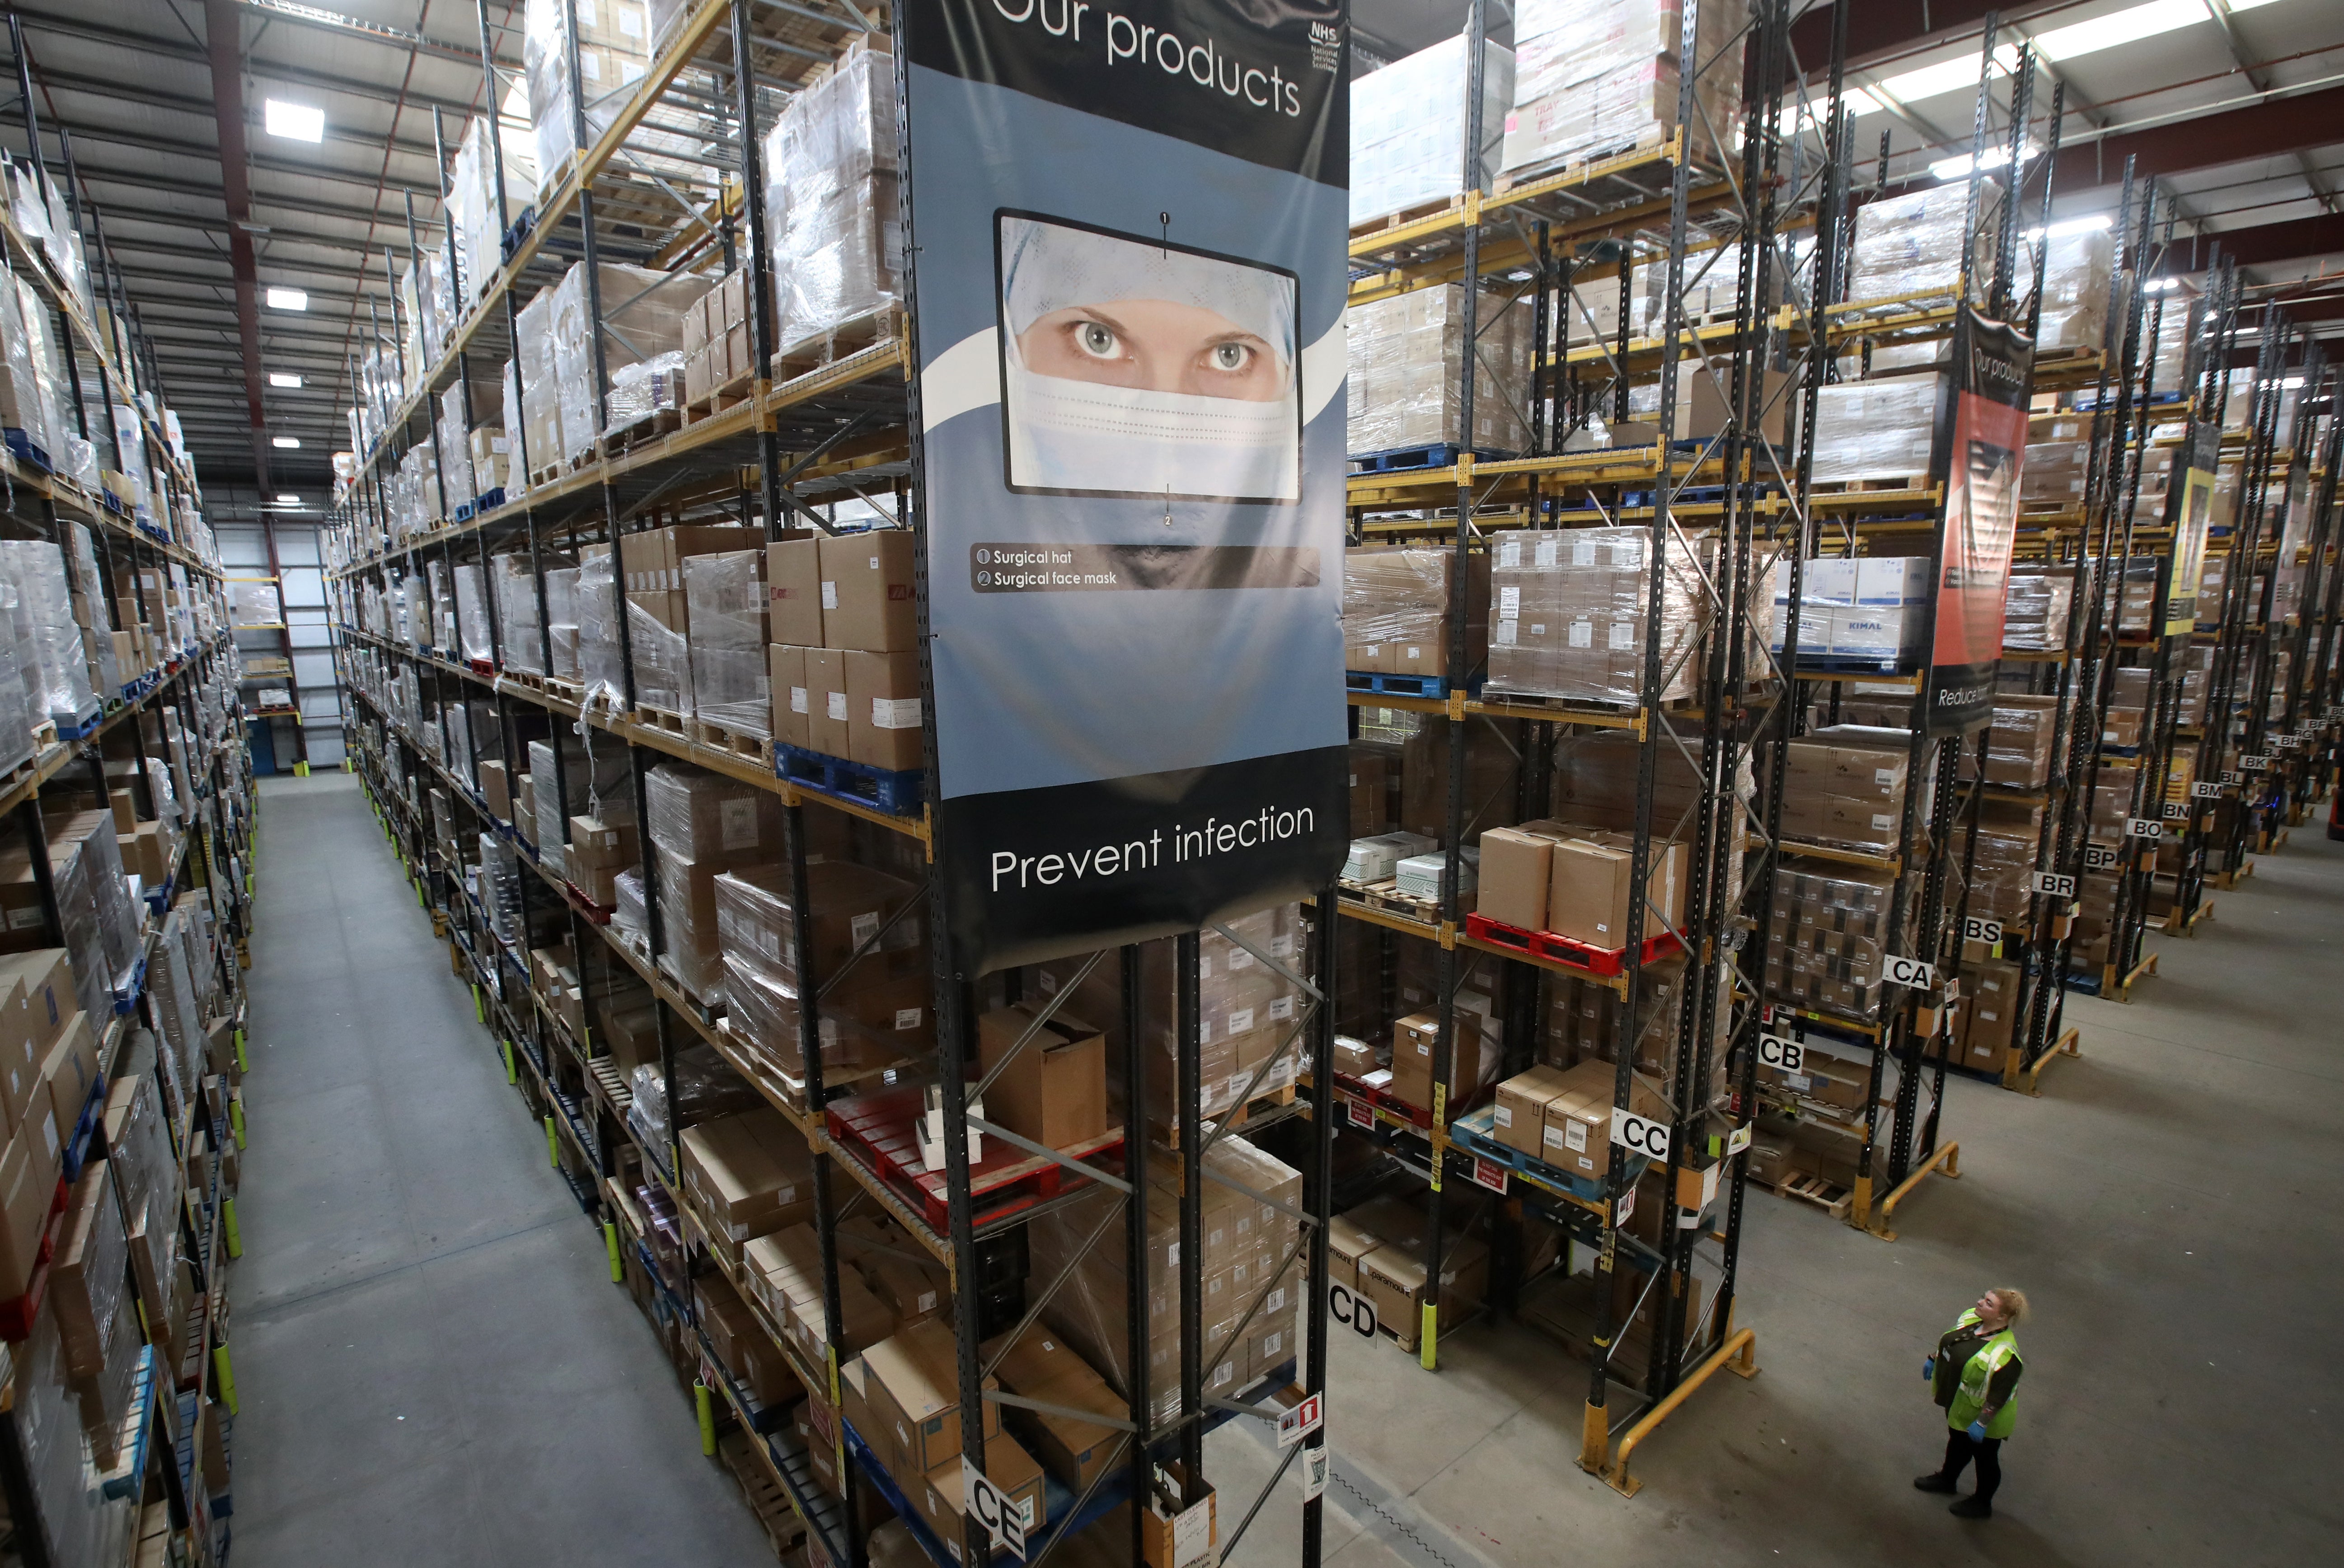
column 561, row 620
column 61, row 688
column 1401, row 355
column 1830, row 935
column 703, row 824
column 1395, row 610
column 643, row 317
column 599, row 666
column 1910, row 245
column 732, row 681
column 650, row 386
column 614, row 54
column 876, row 1012
column 830, row 175
column 2078, row 273
column 540, row 387
column 2035, row 606
column 1408, row 125
column 1568, row 614
column 1593, row 77
column 1877, row 429
column 472, row 613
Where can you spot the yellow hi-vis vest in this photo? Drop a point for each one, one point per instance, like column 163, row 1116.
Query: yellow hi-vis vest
column 1969, row 1397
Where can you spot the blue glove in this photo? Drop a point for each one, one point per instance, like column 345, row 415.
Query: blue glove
column 1929, row 1369
column 1977, row 1431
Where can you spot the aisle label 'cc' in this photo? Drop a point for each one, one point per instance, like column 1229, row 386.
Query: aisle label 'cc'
column 1640, row 1134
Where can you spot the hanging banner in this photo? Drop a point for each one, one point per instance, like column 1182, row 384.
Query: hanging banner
column 1993, row 372
column 2189, row 513
column 1128, row 230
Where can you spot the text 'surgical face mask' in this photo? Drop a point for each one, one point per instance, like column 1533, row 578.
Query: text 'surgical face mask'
column 1076, row 433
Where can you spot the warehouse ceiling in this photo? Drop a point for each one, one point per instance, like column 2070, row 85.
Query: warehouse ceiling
column 2233, row 106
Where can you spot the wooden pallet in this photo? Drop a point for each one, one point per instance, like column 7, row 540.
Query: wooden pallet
column 1235, row 1120
column 731, row 395
column 1538, row 174
column 1866, row 486
column 659, row 719
column 652, row 427
column 1386, row 896
column 733, row 742
column 784, row 1532
column 1829, row 1197
column 842, row 341
column 1413, row 213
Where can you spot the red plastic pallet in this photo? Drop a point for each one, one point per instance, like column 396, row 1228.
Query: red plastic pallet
column 881, row 1129
column 1558, row 949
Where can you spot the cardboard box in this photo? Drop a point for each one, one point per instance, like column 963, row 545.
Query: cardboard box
column 829, row 724
column 69, row 1075
column 882, row 710
column 1578, row 1133
column 1413, row 1041
column 496, row 790
column 89, row 1270
column 1006, row 1465
column 1055, row 1091
column 785, row 668
column 748, row 1174
column 29, row 1187
column 866, row 592
column 1394, row 1279
column 1348, row 1242
column 1523, row 1102
column 913, row 1386
column 793, row 592
column 1587, row 892
column 1517, row 863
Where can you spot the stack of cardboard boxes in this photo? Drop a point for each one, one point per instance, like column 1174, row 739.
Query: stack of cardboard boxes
column 719, row 341
column 1870, row 610
column 724, row 603
column 1570, row 614
column 703, row 824
column 1563, row 1118
column 1826, row 951
column 659, row 608
column 844, row 662
column 1403, row 353
column 1846, row 786
column 1576, row 882
column 1377, row 1250
column 1396, row 611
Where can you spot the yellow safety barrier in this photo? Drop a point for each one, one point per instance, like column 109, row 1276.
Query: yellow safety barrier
column 1744, row 1342
column 1948, row 1155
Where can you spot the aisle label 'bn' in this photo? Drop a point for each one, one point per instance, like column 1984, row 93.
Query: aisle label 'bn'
column 1912, row 972
column 2176, row 811
column 1775, row 1051
column 2053, row 883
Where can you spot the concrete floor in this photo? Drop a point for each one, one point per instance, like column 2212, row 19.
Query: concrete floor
column 2168, row 1204
column 432, row 1363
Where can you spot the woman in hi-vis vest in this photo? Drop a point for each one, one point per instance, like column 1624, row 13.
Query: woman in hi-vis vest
column 1974, row 1379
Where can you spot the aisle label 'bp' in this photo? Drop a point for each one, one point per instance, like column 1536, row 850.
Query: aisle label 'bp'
column 1640, row 1134
column 1776, row 1051
column 2056, row 884
column 1347, row 1306
column 1126, row 237
column 1004, row 1517
column 2099, row 857
column 1912, row 972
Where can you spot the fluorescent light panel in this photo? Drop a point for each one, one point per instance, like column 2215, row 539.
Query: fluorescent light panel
column 295, row 122
column 288, row 501
column 1959, row 167
column 287, row 442
column 2060, row 44
column 289, row 299
column 283, row 378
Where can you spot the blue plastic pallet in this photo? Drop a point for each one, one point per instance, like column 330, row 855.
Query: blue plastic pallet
column 1434, row 455
column 896, row 793
column 22, row 445
column 77, row 1146
column 1387, row 685
column 1476, row 1134
column 488, row 500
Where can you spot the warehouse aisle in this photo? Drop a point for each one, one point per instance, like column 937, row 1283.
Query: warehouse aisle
column 432, row 1362
column 2169, row 1206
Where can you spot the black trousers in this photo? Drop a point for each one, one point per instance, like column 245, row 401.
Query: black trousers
column 1959, row 1449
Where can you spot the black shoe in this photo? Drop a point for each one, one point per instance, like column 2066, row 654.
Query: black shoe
column 1972, row 1508
column 1933, row 1481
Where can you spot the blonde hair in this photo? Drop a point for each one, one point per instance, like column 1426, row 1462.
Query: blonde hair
column 2014, row 1302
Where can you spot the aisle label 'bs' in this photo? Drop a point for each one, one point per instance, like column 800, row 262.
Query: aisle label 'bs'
column 1976, row 928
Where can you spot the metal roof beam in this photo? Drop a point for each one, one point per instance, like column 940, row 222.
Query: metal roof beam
column 137, row 180
column 2265, row 244
column 357, row 28
column 2278, row 126
column 224, row 40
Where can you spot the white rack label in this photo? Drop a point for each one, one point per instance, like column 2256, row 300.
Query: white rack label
column 2052, row 882
column 1776, row 1051
column 1347, row 1306
column 2143, row 827
column 1640, row 1134
column 2176, row 810
column 2199, row 789
column 1002, row 1516
column 1974, row 929
column 2253, row 763
column 1316, row 1462
column 2230, row 777
column 2099, row 857
column 1911, row 972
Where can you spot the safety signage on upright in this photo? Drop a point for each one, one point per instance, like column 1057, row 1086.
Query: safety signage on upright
column 1126, row 229
column 1993, row 373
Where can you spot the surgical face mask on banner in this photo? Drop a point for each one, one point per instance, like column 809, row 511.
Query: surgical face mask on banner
column 1135, row 368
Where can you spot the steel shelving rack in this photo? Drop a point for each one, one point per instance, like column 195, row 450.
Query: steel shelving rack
column 160, row 1486
column 797, row 438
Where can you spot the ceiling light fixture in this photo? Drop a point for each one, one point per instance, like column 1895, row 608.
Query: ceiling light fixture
column 1959, row 167
column 288, row 501
column 295, row 122
column 289, row 299
column 285, row 442
column 283, row 378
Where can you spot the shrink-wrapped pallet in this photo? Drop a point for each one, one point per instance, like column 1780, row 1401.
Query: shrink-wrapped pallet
column 57, row 686
column 732, row 682
column 1594, row 77
column 1395, row 610
column 2078, row 273
column 613, row 52
column 641, row 319
column 1408, row 128
column 1910, row 245
column 1569, row 614
column 1876, row 429
column 831, row 173
column 1402, row 355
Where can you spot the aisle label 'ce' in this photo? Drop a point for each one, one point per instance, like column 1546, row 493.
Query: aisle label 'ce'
column 1004, row 1517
